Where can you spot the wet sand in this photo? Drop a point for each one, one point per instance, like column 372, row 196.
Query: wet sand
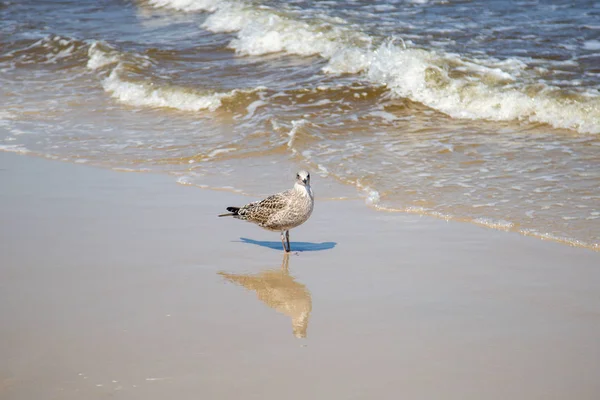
column 128, row 286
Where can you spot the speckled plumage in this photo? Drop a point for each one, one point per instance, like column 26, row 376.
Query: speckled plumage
column 281, row 211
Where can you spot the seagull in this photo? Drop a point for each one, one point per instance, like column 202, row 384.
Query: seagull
column 281, row 211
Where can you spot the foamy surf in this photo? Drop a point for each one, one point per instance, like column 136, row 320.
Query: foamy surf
column 51, row 49
column 459, row 87
column 372, row 196
column 423, row 76
column 147, row 95
column 490, row 223
column 263, row 32
column 14, row 148
column 100, row 55
column 296, row 125
column 357, row 108
column 186, row 5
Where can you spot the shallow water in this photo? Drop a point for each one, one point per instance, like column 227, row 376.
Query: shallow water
column 468, row 110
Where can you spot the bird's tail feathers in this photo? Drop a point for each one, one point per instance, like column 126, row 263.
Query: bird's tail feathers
column 233, row 211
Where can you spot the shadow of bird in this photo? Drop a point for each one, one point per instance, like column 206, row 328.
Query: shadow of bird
column 298, row 246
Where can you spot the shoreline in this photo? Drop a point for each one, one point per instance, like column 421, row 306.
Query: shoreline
column 339, row 187
column 126, row 285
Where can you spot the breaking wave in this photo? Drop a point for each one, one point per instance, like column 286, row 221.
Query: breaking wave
column 186, row 5
column 147, row 93
column 49, row 50
column 500, row 90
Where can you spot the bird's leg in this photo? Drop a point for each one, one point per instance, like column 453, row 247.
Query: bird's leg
column 287, row 239
column 283, row 241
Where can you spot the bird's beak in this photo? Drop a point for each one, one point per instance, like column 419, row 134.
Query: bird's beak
column 305, row 181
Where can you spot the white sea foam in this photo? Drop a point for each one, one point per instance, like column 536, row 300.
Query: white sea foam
column 142, row 94
column 592, row 45
column 98, row 58
column 262, row 32
column 54, row 48
column 184, row 180
column 148, row 94
column 279, row 35
column 296, row 124
column 384, row 115
column 350, row 60
column 323, row 171
column 373, row 197
column 495, row 224
column 221, row 151
column 228, row 18
column 560, row 239
column 125, row 169
column 414, row 74
column 486, row 88
column 101, row 54
column 186, row 5
column 60, row 48
column 253, row 106
column 6, row 116
column 14, row 148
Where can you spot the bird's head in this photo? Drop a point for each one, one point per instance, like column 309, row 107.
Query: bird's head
column 303, row 178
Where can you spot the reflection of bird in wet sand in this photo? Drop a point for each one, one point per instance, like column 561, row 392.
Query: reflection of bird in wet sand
column 279, row 290
column 282, row 211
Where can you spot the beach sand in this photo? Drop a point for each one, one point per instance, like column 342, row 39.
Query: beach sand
column 127, row 286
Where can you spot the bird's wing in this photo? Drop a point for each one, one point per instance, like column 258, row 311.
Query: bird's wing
column 261, row 211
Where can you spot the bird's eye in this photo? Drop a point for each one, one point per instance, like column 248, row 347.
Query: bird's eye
column 298, row 176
